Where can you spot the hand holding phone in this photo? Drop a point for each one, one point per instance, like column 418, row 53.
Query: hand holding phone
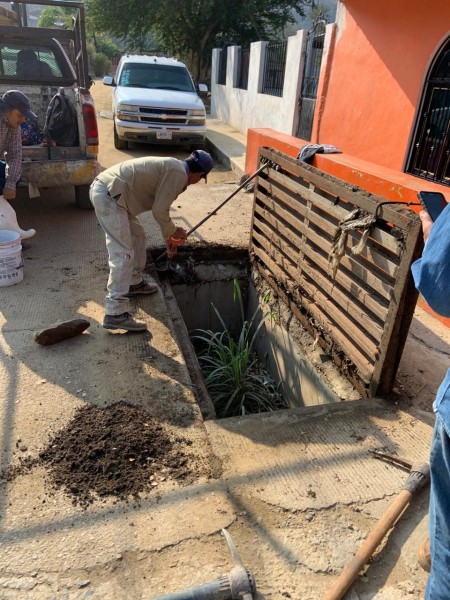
column 433, row 202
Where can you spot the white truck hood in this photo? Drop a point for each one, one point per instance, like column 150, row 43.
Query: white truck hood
column 157, row 98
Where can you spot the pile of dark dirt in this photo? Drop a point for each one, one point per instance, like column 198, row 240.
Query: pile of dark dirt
column 119, row 451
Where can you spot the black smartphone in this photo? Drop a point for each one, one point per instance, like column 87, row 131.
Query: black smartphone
column 433, row 202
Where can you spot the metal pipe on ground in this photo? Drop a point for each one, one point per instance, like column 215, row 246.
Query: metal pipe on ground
column 238, row 584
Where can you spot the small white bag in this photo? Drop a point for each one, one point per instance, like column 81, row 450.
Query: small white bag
column 8, row 220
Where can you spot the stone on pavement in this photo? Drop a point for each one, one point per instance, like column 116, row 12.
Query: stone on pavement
column 61, row 331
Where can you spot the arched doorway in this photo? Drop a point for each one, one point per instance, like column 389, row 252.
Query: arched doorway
column 430, row 149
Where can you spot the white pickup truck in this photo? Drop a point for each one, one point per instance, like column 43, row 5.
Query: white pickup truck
column 156, row 101
column 63, row 66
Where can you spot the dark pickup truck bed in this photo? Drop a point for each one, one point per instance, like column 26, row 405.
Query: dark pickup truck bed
column 61, row 65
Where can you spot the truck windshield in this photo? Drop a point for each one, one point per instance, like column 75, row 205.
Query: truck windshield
column 162, row 77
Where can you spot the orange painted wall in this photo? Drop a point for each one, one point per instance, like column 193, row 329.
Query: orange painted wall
column 391, row 184
column 375, row 79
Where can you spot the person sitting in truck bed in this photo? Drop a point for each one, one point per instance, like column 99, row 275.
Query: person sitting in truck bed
column 28, row 65
column 14, row 110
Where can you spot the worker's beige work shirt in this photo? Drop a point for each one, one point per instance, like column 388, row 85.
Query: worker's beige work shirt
column 147, row 183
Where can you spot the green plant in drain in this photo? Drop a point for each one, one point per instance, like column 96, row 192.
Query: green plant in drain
column 235, row 379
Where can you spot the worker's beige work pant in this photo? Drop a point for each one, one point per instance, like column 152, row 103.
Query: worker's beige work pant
column 125, row 242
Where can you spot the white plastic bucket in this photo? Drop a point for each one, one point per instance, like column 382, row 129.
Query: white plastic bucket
column 11, row 263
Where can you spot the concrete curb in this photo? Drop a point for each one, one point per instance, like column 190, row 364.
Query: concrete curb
column 227, row 145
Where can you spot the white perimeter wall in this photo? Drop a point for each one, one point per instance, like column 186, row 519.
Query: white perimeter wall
column 243, row 109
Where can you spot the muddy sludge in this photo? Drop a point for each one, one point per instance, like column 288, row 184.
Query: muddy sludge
column 119, row 451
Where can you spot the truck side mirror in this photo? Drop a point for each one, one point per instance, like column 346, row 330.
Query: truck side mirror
column 202, row 87
column 108, row 80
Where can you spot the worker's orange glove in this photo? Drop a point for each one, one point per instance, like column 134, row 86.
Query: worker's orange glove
column 175, row 240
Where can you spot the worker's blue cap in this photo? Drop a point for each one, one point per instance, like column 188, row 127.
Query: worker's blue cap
column 15, row 99
column 200, row 162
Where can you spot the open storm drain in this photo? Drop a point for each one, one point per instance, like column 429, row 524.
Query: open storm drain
column 245, row 350
column 325, row 288
column 120, row 452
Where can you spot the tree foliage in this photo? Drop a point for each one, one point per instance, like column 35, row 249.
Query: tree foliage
column 56, row 17
column 190, row 29
column 319, row 11
column 100, row 48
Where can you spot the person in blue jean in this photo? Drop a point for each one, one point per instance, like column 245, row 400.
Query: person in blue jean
column 432, row 278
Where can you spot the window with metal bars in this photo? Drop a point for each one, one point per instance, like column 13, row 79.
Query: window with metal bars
column 274, row 68
column 430, row 150
column 222, row 74
column 244, row 62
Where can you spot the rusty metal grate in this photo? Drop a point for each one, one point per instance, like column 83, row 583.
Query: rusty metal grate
column 361, row 316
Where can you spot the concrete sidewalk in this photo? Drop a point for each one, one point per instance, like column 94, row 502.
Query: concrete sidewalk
column 228, row 145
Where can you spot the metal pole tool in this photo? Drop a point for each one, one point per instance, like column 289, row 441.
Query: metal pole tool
column 164, row 262
column 239, row 584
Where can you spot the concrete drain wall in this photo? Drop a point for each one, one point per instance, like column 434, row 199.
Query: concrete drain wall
column 211, row 284
column 307, row 376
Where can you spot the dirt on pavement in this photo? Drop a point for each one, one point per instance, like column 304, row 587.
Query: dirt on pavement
column 119, row 452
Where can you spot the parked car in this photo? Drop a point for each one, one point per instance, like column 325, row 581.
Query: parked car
column 156, row 101
column 41, row 63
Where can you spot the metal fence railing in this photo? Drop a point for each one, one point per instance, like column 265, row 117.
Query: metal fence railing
column 244, row 62
column 274, row 68
column 222, row 74
column 308, row 95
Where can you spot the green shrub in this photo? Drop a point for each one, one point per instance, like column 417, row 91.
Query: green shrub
column 235, row 380
column 106, row 46
column 100, row 64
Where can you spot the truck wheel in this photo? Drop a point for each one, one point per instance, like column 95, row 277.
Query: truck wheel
column 118, row 143
column 82, row 197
